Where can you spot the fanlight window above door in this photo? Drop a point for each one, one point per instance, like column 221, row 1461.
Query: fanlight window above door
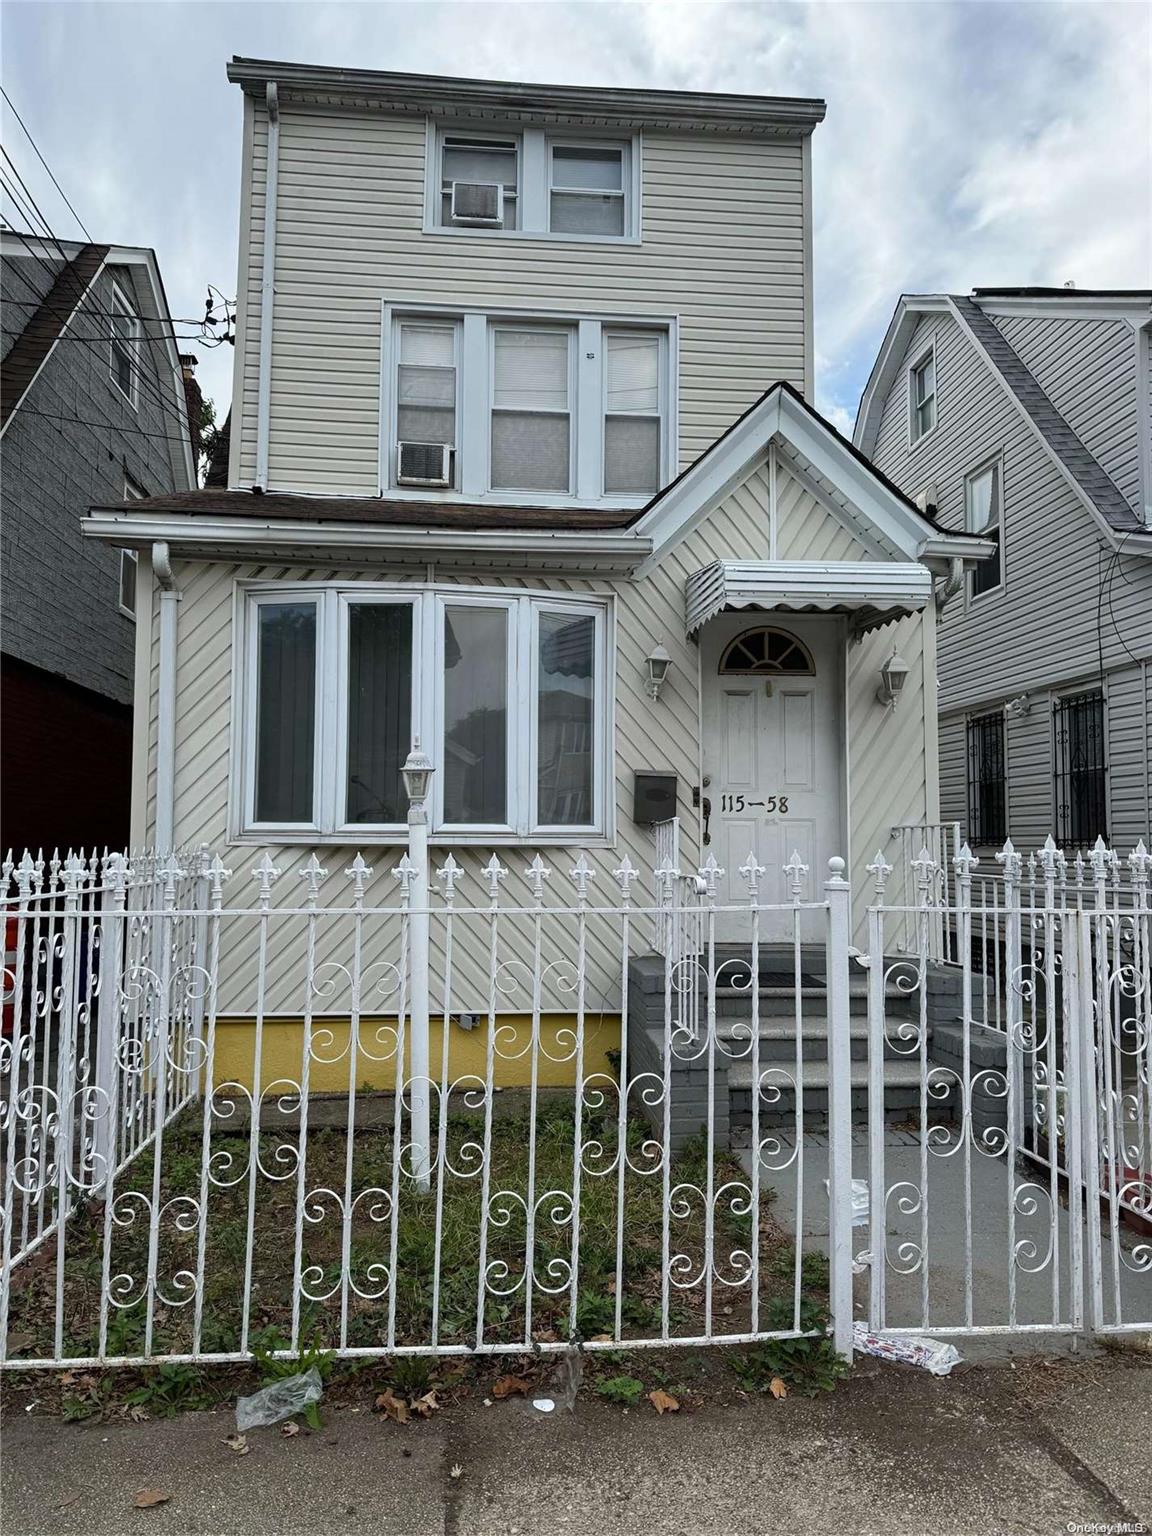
column 766, row 650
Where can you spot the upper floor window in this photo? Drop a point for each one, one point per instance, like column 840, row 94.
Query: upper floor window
column 586, row 193
column 129, row 560
column 511, row 408
column 922, row 395
column 509, row 693
column 124, row 344
column 984, row 513
column 529, row 182
column 479, row 181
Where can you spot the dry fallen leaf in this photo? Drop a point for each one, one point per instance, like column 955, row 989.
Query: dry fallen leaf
column 238, row 1443
column 427, row 1405
column 777, row 1388
column 68, row 1500
column 148, row 1498
column 138, row 1415
column 291, row 1428
column 391, row 1406
column 664, row 1402
column 457, row 1470
column 510, row 1386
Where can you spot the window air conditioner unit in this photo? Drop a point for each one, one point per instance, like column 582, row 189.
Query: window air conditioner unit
column 477, row 202
column 424, row 464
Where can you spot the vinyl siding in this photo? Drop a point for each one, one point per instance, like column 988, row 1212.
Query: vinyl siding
column 1130, row 756
column 954, row 770
column 1087, row 368
column 1028, row 743
column 723, row 249
column 1069, row 599
column 888, row 766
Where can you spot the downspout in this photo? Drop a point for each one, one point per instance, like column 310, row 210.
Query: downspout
column 166, row 700
column 950, row 587
column 267, row 286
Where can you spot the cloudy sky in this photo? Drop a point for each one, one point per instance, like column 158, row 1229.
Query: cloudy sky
column 968, row 143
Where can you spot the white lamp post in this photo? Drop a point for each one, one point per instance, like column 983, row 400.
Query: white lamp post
column 417, row 772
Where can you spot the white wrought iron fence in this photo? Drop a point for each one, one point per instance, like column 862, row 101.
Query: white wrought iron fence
column 1029, row 1188
column 272, row 1178
column 938, row 842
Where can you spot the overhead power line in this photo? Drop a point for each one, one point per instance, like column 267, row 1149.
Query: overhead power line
column 44, row 163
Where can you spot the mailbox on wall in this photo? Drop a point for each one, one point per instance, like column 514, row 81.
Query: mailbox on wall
column 653, row 797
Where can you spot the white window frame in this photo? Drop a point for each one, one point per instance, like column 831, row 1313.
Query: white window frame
column 571, row 335
column 471, row 469
column 119, row 297
column 625, row 148
column 533, row 181
column 392, row 363
column 925, row 355
column 132, row 492
column 434, row 203
column 248, row 693
column 996, row 462
column 330, row 762
column 662, row 363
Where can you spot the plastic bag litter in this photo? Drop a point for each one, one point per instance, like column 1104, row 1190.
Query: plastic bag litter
column 284, row 1398
column 907, row 1348
column 859, row 1200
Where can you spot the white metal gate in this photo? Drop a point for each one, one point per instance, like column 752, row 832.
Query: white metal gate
column 1024, row 1204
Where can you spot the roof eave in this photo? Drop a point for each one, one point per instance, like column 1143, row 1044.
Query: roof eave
column 437, row 92
column 227, row 538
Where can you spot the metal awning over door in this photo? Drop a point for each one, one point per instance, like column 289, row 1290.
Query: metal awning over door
column 872, row 591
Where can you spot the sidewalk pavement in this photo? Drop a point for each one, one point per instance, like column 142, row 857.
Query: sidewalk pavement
column 1028, row 1447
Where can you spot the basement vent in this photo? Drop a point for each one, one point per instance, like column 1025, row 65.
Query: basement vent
column 477, row 202
column 424, row 464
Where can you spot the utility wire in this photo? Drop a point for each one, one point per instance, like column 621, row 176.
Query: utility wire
column 148, row 386
column 47, row 167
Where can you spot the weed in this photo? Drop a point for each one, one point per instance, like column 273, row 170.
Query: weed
column 807, row 1363
column 625, row 1390
column 169, row 1390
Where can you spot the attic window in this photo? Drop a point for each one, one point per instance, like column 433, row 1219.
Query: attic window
column 922, row 395
column 760, row 651
column 124, row 345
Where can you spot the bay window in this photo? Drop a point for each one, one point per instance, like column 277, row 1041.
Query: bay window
column 508, row 692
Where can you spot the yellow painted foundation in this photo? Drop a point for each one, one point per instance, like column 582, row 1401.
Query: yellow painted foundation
column 282, row 1047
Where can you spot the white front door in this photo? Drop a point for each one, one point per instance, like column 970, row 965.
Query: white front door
column 772, row 755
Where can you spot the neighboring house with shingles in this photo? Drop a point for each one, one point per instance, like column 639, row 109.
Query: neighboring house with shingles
column 93, row 407
column 521, row 417
column 1023, row 414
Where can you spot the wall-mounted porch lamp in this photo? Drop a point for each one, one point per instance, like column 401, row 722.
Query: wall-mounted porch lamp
column 893, row 676
column 657, row 663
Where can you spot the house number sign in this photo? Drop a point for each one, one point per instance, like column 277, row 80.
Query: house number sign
column 772, row 805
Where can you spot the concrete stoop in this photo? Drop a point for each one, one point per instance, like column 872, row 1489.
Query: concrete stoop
column 716, row 1088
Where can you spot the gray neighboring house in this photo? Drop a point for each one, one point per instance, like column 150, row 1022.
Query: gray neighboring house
column 1023, row 413
column 92, row 408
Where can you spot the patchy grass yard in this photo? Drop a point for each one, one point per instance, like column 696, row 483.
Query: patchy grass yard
column 346, row 1260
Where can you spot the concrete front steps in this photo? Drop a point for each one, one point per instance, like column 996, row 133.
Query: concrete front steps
column 731, row 1085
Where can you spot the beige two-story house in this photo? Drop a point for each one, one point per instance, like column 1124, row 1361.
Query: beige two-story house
column 525, row 466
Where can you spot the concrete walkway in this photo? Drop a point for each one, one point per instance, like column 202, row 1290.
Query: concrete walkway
column 893, row 1452
column 1043, row 1274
